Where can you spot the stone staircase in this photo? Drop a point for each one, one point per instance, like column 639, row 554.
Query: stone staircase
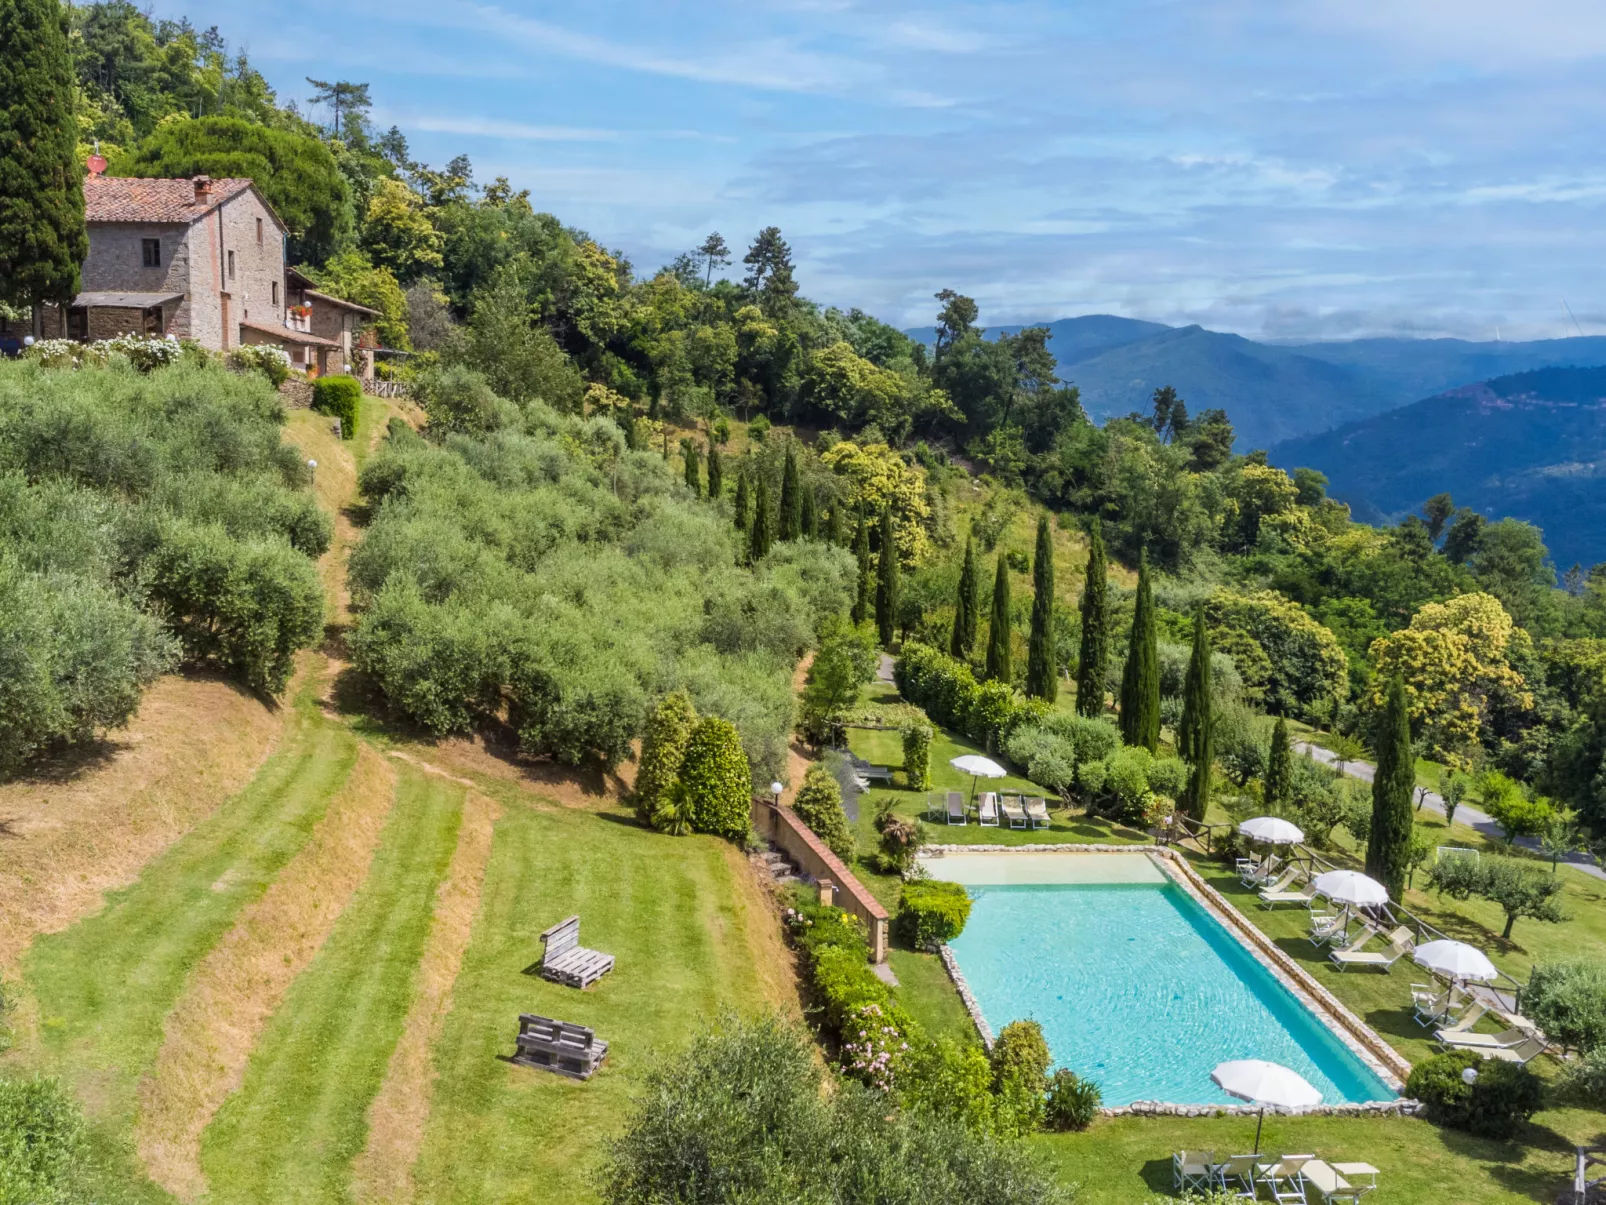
column 777, row 867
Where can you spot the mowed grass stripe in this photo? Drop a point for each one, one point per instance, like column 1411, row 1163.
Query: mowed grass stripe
column 104, row 986
column 667, row 907
column 300, row 1118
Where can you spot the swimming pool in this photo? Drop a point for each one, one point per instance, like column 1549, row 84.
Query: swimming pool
column 1135, row 984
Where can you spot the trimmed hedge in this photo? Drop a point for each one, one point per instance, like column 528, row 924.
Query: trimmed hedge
column 917, row 756
column 987, row 712
column 931, row 912
column 1502, row 1097
column 819, row 805
column 715, row 779
column 339, row 397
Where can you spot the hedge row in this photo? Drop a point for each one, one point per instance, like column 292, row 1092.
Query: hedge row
column 948, row 691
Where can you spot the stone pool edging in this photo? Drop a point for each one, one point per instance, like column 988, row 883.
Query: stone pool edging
column 1381, row 1058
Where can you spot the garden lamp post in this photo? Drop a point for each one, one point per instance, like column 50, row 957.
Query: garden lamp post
column 775, row 790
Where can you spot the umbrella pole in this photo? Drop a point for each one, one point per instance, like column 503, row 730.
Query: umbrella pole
column 973, row 779
column 1258, row 1124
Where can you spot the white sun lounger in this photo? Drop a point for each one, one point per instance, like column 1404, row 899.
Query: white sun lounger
column 956, row 808
column 1037, row 812
column 1193, row 1170
column 987, row 810
column 1524, row 1052
column 1285, row 1178
column 1239, row 1169
column 1399, row 946
column 1331, row 1184
column 1013, row 812
column 1255, row 874
column 1506, row 1039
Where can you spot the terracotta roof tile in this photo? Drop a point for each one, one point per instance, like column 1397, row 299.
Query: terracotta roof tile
column 114, row 199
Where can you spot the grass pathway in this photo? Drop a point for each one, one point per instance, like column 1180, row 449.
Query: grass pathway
column 104, row 987
column 292, row 1131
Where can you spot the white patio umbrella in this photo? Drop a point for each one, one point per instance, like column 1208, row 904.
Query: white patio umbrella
column 977, row 766
column 1455, row 959
column 1351, row 887
column 1272, row 830
column 1262, row 1083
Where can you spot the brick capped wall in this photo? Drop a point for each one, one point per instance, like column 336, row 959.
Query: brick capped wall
column 781, row 825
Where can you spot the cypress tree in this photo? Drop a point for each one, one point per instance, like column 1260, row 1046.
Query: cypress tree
column 758, row 539
column 716, row 473
column 1388, row 845
column 1095, row 651
column 694, row 468
column 1041, row 680
column 1140, row 681
column 864, row 600
column 1279, row 779
column 833, row 528
column 1196, row 736
column 742, row 518
column 791, row 498
column 887, row 587
column 967, row 607
column 1195, row 692
column 43, row 240
column 998, row 650
column 811, row 519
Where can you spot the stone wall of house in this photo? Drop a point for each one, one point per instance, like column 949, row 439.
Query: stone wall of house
column 107, row 322
column 256, row 289
column 332, row 322
column 116, row 264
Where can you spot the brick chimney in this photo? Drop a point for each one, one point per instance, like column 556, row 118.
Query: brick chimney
column 203, row 189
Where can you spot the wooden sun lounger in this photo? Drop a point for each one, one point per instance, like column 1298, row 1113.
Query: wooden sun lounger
column 559, row 1046
column 1037, row 812
column 1013, row 812
column 566, row 961
column 1352, row 956
column 956, row 808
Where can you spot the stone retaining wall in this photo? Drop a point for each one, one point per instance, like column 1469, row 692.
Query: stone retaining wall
column 781, row 825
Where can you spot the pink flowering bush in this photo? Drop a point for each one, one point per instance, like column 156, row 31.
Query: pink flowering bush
column 874, row 1046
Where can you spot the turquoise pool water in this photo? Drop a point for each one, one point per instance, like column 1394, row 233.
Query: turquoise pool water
column 1139, row 988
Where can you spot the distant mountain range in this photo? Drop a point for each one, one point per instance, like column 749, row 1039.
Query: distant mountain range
column 1529, row 446
column 1275, row 392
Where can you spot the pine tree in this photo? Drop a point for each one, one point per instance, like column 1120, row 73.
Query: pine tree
column 694, row 466
column 1140, row 681
column 741, row 507
column 1095, row 652
column 998, row 631
column 43, row 240
column 1196, row 734
column 1195, row 692
column 864, row 600
column 1389, row 843
column 888, row 587
column 791, row 518
column 1042, row 681
column 967, row 607
column 716, row 473
column 759, row 538
column 1279, row 780
column 810, row 527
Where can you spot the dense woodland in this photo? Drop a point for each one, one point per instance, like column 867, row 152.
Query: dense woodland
column 559, row 379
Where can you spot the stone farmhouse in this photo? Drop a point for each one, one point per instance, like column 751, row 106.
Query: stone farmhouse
column 202, row 259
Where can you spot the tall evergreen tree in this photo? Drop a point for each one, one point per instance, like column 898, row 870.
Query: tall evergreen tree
column 1195, row 692
column 1042, row 680
column 763, row 531
column 1095, row 651
column 694, row 466
column 791, row 517
column 864, row 599
column 43, row 240
column 834, row 531
column 999, row 668
column 810, row 526
column 743, row 518
column 1388, row 846
column 1279, row 781
column 888, row 586
column 716, row 473
column 1196, row 734
column 1140, row 681
column 967, row 607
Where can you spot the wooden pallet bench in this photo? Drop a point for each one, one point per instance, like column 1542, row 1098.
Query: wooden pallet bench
column 559, row 1046
column 566, row 961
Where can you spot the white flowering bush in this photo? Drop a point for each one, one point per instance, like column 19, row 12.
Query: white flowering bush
column 55, row 353
column 144, row 354
column 873, row 1046
column 272, row 362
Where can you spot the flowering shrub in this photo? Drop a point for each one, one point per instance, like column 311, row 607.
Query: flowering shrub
column 55, row 353
column 272, row 362
column 873, row 1046
column 144, row 354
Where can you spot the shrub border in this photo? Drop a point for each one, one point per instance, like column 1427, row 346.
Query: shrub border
column 1381, row 1058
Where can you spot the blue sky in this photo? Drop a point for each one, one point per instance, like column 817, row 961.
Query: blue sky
column 1287, row 170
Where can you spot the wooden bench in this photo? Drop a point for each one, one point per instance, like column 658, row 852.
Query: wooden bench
column 566, row 961
column 559, row 1046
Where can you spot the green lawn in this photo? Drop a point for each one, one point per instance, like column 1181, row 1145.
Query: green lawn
column 689, row 945
column 104, row 986
column 300, row 1118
